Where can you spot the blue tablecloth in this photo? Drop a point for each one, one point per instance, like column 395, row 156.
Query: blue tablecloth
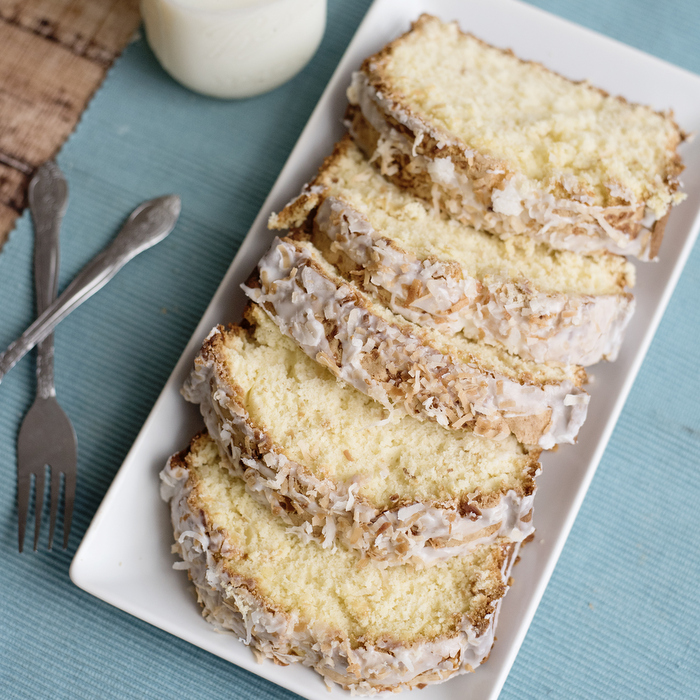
column 621, row 616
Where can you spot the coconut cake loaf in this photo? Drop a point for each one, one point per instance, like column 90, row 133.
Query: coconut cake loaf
column 510, row 147
column 460, row 383
column 335, row 465
column 540, row 303
column 364, row 628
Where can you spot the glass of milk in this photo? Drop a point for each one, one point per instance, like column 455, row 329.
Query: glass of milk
column 233, row 48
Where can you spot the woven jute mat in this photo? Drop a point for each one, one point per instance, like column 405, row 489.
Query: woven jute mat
column 53, row 56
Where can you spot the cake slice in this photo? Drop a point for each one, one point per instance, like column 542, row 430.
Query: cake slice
column 335, row 465
column 510, row 147
column 542, row 304
column 460, row 383
column 364, row 628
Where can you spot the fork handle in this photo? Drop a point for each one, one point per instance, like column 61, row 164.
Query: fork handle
column 47, row 223
column 148, row 224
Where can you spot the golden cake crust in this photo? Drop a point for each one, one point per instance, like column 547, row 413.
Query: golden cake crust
column 487, row 174
column 234, row 599
column 507, row 302
column 406, row 368
column 422, row 531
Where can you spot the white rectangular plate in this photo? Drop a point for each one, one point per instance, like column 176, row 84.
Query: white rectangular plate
column 126, row 561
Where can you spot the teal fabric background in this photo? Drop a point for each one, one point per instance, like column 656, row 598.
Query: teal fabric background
column 621, row 616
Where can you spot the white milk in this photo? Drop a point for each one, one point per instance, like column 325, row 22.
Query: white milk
column 233, row 48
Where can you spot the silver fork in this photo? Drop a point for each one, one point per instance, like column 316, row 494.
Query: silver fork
column 46, row 437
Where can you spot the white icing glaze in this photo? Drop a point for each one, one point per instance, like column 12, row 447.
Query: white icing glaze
column 436, row 386
column 331, row 510
column 544, row 327
column 365, row 669
column 519, row 207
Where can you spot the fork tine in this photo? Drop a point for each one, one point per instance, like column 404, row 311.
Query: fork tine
column 24, row 486
column 39, row 477
column 55, row 492
column 68, row 497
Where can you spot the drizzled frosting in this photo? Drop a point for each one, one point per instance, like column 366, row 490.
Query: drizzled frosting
column 574, row 329
column 302, row 299
column 421, row 533
column 364, row 669
column 516, row 208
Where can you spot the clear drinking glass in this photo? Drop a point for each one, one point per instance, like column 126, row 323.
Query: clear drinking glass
column 233, row 48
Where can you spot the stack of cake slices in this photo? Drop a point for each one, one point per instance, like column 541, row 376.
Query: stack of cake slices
column 414, row 339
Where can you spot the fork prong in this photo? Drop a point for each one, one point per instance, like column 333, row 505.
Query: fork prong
column 55, row 493
column 39, row 477
column 68, row 498
column 24, row 486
